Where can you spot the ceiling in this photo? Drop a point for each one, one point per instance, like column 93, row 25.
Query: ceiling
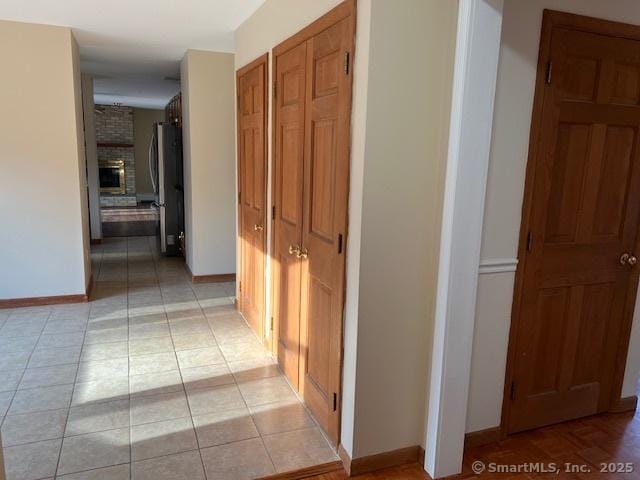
column 134, row 47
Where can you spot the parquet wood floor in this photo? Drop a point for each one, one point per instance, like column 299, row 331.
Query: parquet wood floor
column 589, row 443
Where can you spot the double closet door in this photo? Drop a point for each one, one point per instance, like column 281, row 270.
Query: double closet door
column 312, row 114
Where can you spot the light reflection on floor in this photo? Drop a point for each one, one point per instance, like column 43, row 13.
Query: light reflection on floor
column 154, row 378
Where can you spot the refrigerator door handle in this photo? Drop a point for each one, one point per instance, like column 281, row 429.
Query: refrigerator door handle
column 151, row 171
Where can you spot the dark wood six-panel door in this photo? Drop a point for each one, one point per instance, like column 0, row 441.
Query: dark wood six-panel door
column 578, row 274
column 312, row 74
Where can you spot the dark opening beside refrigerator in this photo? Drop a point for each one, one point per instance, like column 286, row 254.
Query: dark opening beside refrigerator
column 166, row 170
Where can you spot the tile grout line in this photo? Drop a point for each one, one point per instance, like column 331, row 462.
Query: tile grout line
column 184, row 389
column 129, row 369
column 244, row 400
column 33, row 349
column 73, row 390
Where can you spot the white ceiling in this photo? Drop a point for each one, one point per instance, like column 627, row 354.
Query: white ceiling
column 134, row 47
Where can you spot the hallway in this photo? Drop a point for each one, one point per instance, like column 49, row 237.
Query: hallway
column 155, row 378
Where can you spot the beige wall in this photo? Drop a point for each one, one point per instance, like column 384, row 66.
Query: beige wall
column 143, row 120
column 402, row 93
column 208, row 100
column 273, row 22
column 408, row 108
column 43, row 201
column 509, row 150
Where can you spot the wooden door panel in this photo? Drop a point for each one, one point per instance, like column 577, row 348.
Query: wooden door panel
column 584, row 211
column 567, row 178
column 289, row 72
column 311, row 171
column 288, row 299
column 290, row 195
column 546, row 333
column 319, row 320
column 613, row 185
column 592, row 333
column 248, row 178
column 251, row 84
column 258, row 187
column 323, row 179
column 626, row 84
column 326, row 181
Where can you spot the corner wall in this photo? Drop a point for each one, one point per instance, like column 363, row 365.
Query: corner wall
column 505, row 187
column 208, row 100
column 43, row 201
column 411, row 56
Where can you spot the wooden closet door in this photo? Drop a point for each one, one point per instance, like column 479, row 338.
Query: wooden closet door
column 251, row 84
column 579, row 276
column 289, row 103
column 326, row 186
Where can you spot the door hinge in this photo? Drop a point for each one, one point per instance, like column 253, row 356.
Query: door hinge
column 339, row 243
column 271, row 326
column 273, row 212
column 275, row 89
column 512, row 392
column 239, row 197
column 346, row 63
column 240, row 286
column 529, row 241
column 549, row 71
column 335, row 402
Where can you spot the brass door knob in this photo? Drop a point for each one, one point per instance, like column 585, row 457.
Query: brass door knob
column 258, row 228
column 628, row 259
column 294, row 250
column 304, row 253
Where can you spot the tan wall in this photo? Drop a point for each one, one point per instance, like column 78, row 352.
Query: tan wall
column 43, row 201
column 208, row 99
column 143, row 120
column 509, row 150
column 402, row 94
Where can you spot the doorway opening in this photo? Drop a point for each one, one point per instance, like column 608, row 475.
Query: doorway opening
column 140, row 172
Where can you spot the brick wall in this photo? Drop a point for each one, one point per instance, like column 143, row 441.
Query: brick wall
column 115, row 125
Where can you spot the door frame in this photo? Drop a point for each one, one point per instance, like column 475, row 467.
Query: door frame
column 261, row 60
column 551, row 20
column 340, row 12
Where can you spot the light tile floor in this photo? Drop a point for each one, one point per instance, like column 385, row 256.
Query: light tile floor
column 155, row 378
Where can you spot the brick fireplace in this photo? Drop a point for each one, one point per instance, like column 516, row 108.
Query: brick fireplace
column 114, row 136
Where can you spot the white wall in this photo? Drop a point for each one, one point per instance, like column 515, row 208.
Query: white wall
column 91, row 149
column 399, row 137
column 208, row 96
column 43, row 200
column 509, row 150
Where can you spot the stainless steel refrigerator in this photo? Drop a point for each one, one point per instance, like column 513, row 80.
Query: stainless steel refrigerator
column 166, row 170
